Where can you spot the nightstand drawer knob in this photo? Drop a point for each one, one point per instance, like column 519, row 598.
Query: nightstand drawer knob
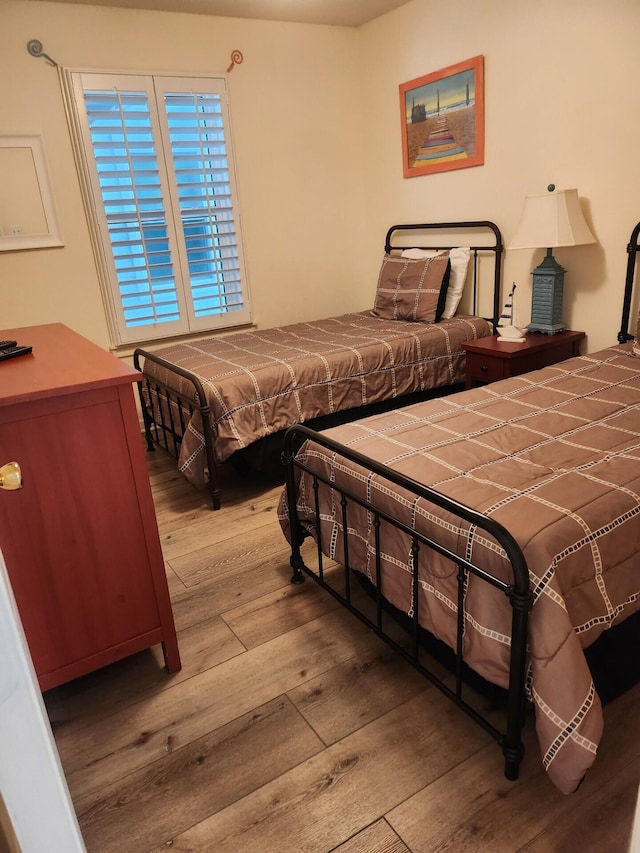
column 484, row 368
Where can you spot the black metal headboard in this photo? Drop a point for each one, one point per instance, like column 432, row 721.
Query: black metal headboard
column 474, row 229
column 632, row 250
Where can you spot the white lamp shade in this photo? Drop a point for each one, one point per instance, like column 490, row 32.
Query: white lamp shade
column 552, row 219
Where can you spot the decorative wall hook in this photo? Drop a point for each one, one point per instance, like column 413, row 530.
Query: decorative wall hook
column 236, row 59
column 35, row 49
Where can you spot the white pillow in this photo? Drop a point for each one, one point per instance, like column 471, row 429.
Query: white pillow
column 459, row 265
column 419, row 254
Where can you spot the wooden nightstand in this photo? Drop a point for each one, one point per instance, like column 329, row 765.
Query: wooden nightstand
column 489, row 359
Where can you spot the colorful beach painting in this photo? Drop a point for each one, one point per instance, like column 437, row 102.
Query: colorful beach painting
column 442, row 117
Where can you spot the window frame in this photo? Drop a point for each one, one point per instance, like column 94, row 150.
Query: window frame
column 155, row 85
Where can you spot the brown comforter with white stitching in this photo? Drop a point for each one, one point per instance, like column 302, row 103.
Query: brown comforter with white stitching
column 260, row 382
column 554, row 456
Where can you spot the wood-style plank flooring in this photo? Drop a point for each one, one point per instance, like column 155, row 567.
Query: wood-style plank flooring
column 292, row 728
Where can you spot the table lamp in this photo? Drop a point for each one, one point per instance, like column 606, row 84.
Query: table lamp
column 550, row 220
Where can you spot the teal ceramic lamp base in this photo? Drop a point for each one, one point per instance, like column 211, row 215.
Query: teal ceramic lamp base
column 546, row 297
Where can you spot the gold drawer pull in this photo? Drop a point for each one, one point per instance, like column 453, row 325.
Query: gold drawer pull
column 10, row 476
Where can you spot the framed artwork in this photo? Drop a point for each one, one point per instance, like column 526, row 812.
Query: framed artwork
column 442, row 116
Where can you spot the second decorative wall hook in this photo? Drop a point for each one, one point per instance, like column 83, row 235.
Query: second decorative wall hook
column 236, row 59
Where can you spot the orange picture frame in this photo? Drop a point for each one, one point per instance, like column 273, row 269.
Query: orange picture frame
column 442, row 117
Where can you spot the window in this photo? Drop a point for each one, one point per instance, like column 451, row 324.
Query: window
column 160, row 180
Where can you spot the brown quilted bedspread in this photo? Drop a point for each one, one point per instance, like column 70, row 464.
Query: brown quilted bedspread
column 260, row 382
column 554, row 456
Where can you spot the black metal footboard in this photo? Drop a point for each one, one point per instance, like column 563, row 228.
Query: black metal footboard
column 166, row 414
column 517, row 590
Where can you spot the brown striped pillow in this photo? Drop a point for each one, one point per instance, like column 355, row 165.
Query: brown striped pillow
column 414, row 290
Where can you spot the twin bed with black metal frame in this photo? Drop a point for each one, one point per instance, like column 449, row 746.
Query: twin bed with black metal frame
column 503, row 523
column 225, row 397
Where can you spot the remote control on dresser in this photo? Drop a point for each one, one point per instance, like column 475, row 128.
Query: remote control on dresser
column 14, row 352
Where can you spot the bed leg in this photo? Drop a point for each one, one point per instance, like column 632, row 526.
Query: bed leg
column 212, row 466
column 146, row 420
column 215, row 493
column 295, row 531
column 295, row 560
column 512, row 760
column 512, row 746
column 296, row 565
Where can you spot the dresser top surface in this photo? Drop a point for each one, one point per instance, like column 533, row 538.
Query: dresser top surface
column 62, row 362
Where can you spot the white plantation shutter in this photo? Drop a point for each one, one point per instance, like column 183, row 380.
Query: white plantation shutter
column 201, row 168
column 134, row 200
column 163, row 189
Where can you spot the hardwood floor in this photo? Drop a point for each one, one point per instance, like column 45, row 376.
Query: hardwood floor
column 292, row 728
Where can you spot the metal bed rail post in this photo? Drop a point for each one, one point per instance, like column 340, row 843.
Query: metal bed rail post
column 296, row 535
column 632, row 251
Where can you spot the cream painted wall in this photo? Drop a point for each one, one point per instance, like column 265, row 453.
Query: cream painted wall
column 315, row 114
column 561, row 80
column 293, row 103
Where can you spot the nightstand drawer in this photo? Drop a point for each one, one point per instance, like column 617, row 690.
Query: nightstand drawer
column 483, row 368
